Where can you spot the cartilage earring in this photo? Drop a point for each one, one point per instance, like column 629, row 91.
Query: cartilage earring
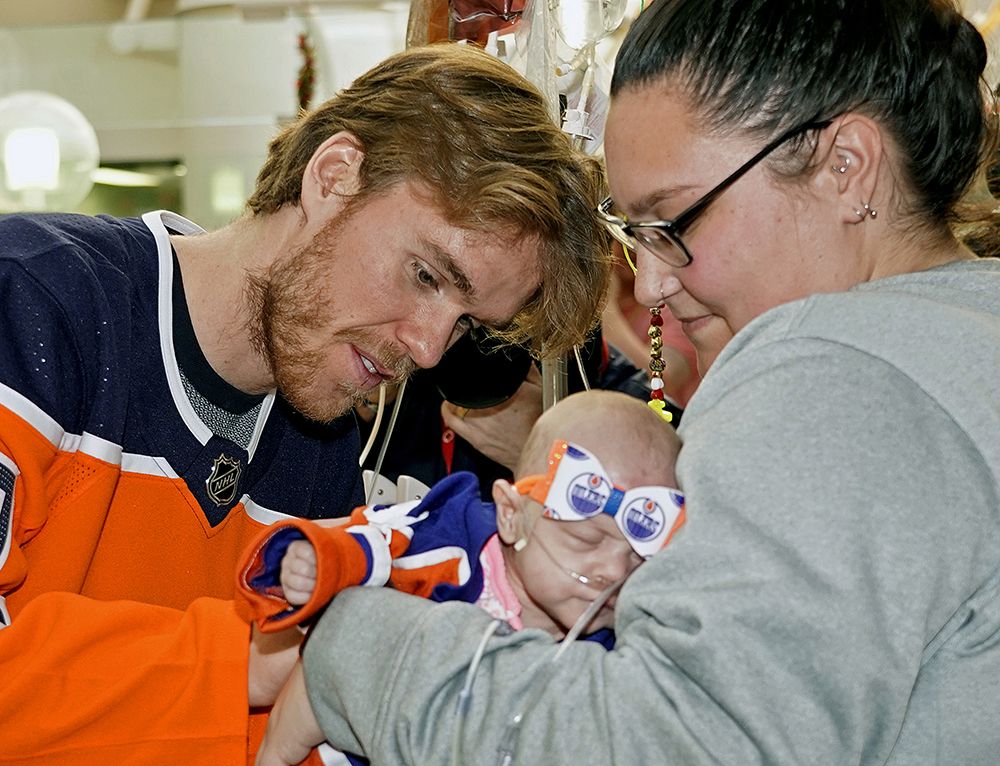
column 842, row 168
column 520, row 544
column 867, row 210
column 656, row 365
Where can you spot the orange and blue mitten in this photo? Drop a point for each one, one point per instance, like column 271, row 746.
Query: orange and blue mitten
column 358, row 553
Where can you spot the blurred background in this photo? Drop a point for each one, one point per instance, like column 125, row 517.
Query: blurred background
column 182, row 95
column 171, row 103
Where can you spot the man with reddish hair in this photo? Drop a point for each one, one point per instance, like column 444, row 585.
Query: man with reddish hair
column 165, row 392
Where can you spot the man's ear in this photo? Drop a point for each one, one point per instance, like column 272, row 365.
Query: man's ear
column 508, row 503
column 332, row 174
column 849, row 174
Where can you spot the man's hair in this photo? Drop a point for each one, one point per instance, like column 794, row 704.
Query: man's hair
column 480, row 139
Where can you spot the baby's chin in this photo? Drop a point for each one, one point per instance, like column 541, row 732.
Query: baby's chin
column 604, row 619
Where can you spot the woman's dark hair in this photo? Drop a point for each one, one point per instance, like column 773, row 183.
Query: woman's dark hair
column 765, row 66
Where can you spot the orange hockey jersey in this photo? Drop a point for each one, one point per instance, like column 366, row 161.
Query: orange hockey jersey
column 122, row 514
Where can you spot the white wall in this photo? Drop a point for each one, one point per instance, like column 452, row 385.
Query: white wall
column 209, row 91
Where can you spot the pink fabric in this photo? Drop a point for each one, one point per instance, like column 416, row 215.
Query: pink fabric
column 498, row 598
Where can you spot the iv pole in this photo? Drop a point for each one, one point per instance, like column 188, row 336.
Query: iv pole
column 554, row 370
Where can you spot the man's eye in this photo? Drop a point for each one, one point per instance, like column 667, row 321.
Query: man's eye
column 425, row 277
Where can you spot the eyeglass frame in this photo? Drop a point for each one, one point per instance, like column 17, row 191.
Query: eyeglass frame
column 673, row 229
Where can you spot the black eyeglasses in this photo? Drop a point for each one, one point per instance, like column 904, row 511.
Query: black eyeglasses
column 664, row 238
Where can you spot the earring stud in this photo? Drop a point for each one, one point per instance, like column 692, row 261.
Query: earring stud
column 865, row 210
column 520, row 544
column 842, row 168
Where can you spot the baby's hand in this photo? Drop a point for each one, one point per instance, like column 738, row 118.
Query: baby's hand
column 298, row 572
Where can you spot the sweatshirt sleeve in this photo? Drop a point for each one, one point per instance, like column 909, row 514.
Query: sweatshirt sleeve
column 90, row 683
column 786, row 623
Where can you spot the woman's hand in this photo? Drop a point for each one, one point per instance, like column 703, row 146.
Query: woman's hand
column 499, row 432
column 272, row 657
column 292, row 730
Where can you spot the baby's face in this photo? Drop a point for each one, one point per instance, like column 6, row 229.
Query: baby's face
column 566, row 564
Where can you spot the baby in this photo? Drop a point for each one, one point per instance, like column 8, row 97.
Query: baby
column 591, row 502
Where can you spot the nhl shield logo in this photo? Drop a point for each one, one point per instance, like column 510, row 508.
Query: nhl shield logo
column 224, row 480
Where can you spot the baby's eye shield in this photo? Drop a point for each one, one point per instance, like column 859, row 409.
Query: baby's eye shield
column 577, row 487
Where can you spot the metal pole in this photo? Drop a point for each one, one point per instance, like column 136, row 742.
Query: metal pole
column 554, row 381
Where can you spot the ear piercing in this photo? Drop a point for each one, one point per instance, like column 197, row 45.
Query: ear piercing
column 520, row 544
column 867, row 211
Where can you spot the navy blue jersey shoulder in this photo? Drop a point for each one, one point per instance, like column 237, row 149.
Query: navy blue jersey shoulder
column 84, row 302
column 65, row 287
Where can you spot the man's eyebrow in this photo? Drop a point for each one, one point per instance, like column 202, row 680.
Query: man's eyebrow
column 445, row 261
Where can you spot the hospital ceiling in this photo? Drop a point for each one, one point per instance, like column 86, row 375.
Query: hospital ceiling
column 40, row 12
column 13, row 13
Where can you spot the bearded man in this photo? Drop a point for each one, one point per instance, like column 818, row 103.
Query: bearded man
column 165, row 392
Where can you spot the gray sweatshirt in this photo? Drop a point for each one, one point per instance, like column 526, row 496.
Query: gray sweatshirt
column 834, row 597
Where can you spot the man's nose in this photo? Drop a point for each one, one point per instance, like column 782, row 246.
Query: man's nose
column 427, row 336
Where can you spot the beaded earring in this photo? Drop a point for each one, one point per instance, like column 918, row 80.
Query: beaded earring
column 656, row 365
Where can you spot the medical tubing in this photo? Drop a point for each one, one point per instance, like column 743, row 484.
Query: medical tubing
column 588, row 80
column 385, row 442
column 375, row 425
column 465, row 696
column 580, row 367
column 584, row 620
column 585, row 88
column 575, row 63
column 508, row 745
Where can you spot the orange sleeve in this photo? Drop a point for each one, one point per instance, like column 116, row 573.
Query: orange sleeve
column 359, row 554
column 341, row 561
column 92, row 683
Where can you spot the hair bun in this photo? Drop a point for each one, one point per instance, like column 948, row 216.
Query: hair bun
column 968, row 43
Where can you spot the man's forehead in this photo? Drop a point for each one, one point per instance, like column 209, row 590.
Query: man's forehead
column 503, row 269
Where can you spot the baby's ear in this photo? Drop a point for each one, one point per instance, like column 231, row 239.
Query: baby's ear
column 508, row 503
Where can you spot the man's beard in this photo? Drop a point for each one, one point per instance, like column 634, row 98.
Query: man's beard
column 290, row 303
